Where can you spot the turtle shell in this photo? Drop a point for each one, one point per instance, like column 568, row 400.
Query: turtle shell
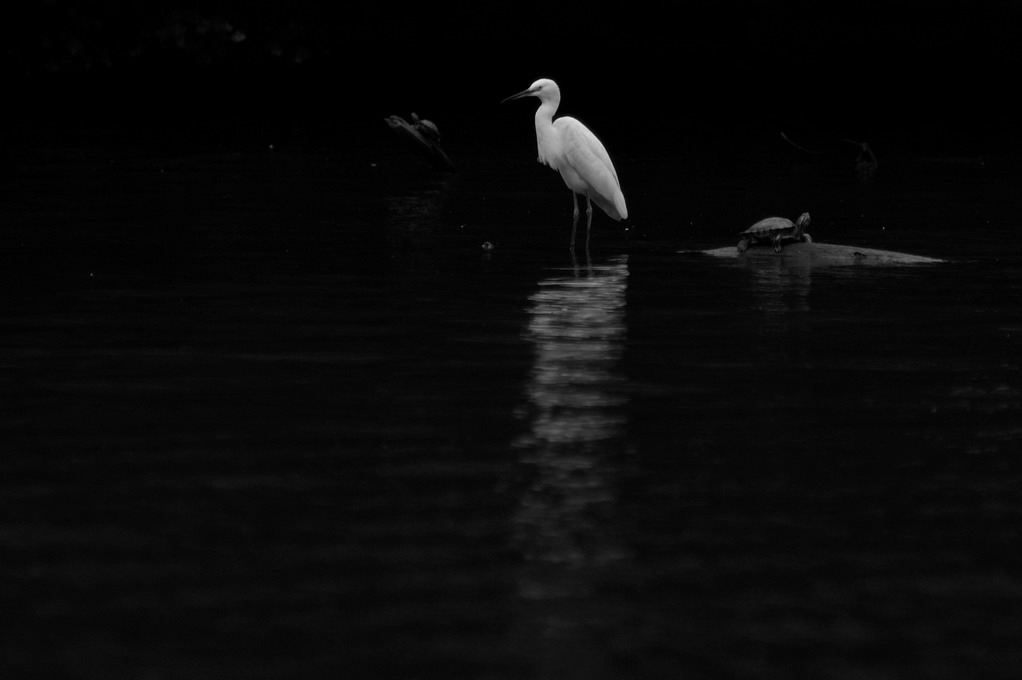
column 767, row 226
column 777, row 230
column 426, row 128
column 429, row 129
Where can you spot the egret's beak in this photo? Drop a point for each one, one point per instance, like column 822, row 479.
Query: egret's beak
column 523, row 93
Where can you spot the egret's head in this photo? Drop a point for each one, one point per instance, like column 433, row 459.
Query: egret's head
column 544, row 88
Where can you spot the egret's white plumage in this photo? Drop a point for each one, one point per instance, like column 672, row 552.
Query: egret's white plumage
column 570, row 148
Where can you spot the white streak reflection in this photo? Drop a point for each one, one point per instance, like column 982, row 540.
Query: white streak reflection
column 566, row 526
column 577, row 328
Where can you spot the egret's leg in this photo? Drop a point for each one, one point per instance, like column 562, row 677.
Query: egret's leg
column 589, row 218
column 574, row 219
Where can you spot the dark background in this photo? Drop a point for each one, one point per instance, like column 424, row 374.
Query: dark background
column 267, row 413
column 931, row 77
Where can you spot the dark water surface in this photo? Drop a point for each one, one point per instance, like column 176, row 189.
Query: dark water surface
column 275, row 413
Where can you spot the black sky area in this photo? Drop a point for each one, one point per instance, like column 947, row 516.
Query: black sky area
column 940, row 76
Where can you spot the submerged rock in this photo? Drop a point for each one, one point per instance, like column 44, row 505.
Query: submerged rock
column 821, row 254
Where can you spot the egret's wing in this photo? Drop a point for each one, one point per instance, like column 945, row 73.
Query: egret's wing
column 590, row 160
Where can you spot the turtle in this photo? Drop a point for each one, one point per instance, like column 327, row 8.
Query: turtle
column 426, row 128
column 776, row 230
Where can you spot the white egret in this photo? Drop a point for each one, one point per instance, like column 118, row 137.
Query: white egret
column 570, row 148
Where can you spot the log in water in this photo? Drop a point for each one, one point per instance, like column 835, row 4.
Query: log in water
column 824, row 254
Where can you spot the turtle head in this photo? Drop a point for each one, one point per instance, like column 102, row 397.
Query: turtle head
column 802, row 223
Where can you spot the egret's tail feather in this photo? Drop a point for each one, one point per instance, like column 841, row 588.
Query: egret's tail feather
column 619, row 203
column 615, row 207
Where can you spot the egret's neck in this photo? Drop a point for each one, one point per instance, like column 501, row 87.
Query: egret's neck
column 545, row 113
column 545, row 139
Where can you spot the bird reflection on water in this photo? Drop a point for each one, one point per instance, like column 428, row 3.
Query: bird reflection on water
column 577, row 327
column 567, row 524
